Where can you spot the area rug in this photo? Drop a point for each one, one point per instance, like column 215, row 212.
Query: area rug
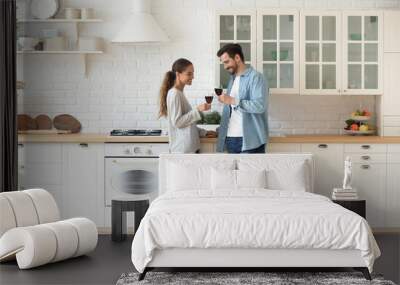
column 243, row 278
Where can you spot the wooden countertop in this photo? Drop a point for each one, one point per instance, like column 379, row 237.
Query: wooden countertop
column 103, row 138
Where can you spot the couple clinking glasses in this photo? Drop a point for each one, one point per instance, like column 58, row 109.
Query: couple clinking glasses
column 244, row 122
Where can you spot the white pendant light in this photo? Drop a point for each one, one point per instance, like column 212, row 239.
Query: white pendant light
column 141, row 27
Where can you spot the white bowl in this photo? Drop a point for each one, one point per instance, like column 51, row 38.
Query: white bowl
column 27, row 43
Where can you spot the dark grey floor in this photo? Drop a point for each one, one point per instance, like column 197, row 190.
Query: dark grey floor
column 103, row 266
column 110, row 260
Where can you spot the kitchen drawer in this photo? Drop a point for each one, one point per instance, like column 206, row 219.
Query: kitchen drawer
column 393, row 158
column 42, row 152
column 365, row 148
column 393, row 148
column 366, row 158
column 283, row 147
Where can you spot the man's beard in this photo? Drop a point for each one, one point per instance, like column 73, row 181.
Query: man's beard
column 232, row 70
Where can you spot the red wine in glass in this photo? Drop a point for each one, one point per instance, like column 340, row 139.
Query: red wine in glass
column 209, row 99
column 218, row 91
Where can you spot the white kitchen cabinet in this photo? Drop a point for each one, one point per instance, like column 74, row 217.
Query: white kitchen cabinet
column 83, row 181
column 391, row 32
column 391, row 99
column 328, row 160
column 370, row 181
column 235, row 27
column 320, row 52
column 362, row 52
column 278, row 49
column 369, row 178
column 390, row 102
column 283, row 147
column 392, row 217
column 207, row 148
column 40, row 166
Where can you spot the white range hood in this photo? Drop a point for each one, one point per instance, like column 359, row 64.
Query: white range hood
column 140, row 27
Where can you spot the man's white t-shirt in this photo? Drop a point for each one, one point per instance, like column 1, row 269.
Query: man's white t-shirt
column 235, row 127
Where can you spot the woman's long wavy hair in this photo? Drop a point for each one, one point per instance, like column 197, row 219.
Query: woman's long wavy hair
column 179, row 66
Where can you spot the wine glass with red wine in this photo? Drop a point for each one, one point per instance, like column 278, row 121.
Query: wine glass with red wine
column 218, row 91
column 209, row 99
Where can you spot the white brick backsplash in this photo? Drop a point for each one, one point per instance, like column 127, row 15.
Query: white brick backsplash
column 148, row 124
column 111, row 116
column 87, row 116
column 122, row 86
column 135, row 117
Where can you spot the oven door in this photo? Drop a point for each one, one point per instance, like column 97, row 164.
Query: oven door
column 131, row 178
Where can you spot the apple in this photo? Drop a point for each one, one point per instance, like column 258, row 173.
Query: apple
column 354, row 127
column 363, row 128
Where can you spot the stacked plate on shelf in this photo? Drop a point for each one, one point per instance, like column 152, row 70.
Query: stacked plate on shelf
column 44, row 9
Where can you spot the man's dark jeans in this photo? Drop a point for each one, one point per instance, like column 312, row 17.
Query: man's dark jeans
column 234, row 145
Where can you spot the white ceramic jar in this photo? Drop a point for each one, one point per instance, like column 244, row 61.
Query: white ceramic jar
column 72, row 13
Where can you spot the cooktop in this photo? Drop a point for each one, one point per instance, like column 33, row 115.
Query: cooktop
column 135, row 132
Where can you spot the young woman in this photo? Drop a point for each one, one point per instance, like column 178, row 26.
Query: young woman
column 184, row 135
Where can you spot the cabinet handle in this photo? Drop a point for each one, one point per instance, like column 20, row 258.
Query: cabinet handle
column 365, row 166
column 365, row 157
column 345, row 90
column 365, row 146
column 323, row 145
column 21, row 145
column 83, row 145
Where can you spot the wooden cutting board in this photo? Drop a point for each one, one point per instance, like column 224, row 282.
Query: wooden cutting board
column 67, row 122
column 26, row 122
column 43, row 122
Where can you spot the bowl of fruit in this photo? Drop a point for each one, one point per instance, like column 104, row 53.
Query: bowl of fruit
column 358, row 123
column 361, row 115
column 358, row 128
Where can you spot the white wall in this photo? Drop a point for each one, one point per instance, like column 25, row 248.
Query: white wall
column 121, row 90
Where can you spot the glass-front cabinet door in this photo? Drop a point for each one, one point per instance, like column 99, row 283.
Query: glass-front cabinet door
column 320, row 55
column 277, row 50
column 235, row 27
column 362, row 53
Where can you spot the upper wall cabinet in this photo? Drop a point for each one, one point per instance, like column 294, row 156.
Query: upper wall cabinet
column 278, row 50
column 391, row 33
column 311, row 52
column 362, row 53
column 320, row 53
column 236, row 27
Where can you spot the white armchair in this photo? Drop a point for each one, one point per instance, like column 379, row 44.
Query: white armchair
column 31, row 230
